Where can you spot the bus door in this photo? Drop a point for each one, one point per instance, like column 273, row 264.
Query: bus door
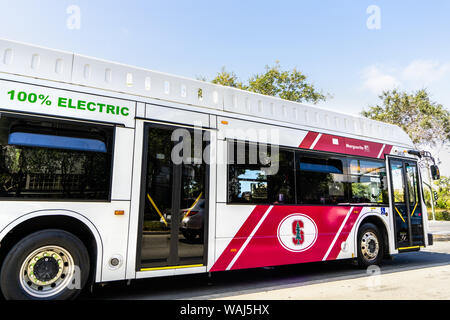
column 406, row 205
column 174, row 198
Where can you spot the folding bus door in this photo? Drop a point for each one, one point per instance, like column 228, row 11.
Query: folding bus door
column 174, row 206
column 406, row 205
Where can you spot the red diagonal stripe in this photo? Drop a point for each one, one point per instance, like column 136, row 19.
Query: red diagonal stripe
column 308, row 140
column 387, row 150
column 344, row 233
column 239, row 239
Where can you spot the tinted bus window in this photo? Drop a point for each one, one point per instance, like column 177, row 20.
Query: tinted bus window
column 42, row 159
column 320, row 179
column 251, row 180
column 367, row 182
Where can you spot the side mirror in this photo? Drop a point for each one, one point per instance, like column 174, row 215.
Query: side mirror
column 435, row 172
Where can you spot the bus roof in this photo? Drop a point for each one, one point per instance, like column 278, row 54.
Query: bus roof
column 59, row 66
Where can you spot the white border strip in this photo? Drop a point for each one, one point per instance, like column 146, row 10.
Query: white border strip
column 337, row 234
column 381, row 151
column 249, row 238
column 315, row 141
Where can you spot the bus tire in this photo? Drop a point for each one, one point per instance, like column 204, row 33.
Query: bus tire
column 49, row 264
column 370, row 245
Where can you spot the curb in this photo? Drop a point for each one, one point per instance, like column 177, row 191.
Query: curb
column 441, row 237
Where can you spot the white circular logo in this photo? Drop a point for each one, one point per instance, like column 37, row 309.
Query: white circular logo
column 297, row 232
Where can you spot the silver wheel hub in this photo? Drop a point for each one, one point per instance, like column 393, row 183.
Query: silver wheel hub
column 369, row 246
column 47, row 271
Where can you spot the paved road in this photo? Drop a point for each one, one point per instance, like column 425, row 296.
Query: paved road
column 439, row 227
column 419, row 284
column 234, row 283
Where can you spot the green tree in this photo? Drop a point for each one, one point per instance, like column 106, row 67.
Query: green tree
column 425, row 121
column 443, row 190
column 228, row 79
column 286, row 84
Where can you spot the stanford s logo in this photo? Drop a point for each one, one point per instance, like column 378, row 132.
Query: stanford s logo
column 297, row 232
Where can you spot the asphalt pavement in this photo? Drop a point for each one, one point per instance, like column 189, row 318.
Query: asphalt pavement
column 415, row 283
column 252, row 281
column 440, row 230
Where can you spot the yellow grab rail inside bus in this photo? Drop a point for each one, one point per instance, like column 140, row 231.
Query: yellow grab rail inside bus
column 195, row 202
column 414, row 209
column 157, row 210
column 399, row 214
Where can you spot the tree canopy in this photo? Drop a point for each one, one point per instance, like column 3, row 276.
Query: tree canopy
column 425, row 121
column 286, row 84
column 443, row 189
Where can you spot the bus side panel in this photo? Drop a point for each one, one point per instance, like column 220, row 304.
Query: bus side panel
column 116, row 242
column 135, row 201
column 67, row 104
column 112, row 228
column 278, row 235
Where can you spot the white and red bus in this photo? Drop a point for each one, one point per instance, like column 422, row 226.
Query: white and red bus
column 110, row 172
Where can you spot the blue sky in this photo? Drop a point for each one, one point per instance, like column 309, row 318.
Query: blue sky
column 327, row 40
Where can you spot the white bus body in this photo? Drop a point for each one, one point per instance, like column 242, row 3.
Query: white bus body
column 59, row 86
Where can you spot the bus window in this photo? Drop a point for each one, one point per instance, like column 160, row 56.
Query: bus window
column 251, row 182
column 397, row 182
column 412, row 184
column 249, row 185
column 320, row 180
column 54, row 160
column 368, row 182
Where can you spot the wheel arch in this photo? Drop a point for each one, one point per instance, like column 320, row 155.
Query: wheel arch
column 373, row 217
column 67, row 220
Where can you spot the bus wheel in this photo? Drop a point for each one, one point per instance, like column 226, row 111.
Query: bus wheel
column 370, row 245
column 48, row 264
